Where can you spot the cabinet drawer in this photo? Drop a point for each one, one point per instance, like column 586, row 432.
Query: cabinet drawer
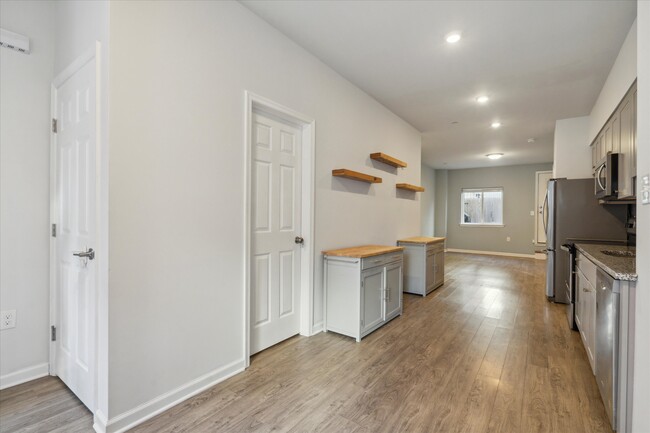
column 382, row 260
column 435, row 248
column 587, row 267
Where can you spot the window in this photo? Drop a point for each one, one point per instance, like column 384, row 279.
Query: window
column 481, row 206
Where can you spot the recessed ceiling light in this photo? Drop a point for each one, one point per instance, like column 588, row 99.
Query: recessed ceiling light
column 531, row 140
column 496, row 125
column 494, row 155
column 452, row 38
column 482, row 99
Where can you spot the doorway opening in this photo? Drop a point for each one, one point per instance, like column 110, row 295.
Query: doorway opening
column 279, row 228
column 77, row 216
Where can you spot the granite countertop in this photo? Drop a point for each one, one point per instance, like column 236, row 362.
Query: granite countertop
column 620, row 268
column 363, row 251
column 421, row 240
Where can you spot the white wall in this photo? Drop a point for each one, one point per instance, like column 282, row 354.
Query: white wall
column 619, row 80
column 24, row 189
column 79, row 26
column 571, row 151
column 178, row 75
column 641, row 408
column 427, row 200
column 440, row 206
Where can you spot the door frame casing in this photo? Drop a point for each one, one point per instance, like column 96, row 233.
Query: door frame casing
column 537, row 215
column 101, row 222
column 255, row 103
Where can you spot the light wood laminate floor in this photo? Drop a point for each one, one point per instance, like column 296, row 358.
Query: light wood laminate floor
column 484, row 353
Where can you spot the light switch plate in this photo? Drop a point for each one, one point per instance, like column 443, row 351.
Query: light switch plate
column 645, row 189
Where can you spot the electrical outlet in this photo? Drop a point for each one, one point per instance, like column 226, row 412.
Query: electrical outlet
column 7, row 319
column 508, row 239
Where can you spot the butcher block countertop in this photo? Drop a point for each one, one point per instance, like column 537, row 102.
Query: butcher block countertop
column 421, row 240
column 363, row 251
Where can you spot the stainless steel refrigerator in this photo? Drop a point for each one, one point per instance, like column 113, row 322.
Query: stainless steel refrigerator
column 571, row 212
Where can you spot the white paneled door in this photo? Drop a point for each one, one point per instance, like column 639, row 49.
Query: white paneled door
column 75, row 233
column 276, row 231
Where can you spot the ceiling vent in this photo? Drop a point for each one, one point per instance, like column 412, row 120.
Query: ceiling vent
column 14, row 41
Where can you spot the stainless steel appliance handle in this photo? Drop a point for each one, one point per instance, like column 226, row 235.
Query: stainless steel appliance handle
column 600, row 170
column 545, row 214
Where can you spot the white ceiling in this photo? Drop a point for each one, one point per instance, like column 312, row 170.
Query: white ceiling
column 539, row 61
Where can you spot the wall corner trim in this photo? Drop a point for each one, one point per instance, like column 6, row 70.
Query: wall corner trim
column 145, row 411
column 491, row 253
column 25, row 375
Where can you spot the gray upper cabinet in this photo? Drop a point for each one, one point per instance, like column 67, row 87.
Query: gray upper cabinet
column 627, row 167
column 619, row 136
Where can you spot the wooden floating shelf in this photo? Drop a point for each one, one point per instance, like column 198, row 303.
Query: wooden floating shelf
column 355, row 175
column 387, row 159
column 409, row 187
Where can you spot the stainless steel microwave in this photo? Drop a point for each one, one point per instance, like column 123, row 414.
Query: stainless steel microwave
column 606, row 176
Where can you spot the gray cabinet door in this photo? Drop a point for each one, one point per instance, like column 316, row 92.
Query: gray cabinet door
column 616, row 132
column 439, row 274
column 429, row 271
column 393, row 290
column 628, row 151
column 372, row 297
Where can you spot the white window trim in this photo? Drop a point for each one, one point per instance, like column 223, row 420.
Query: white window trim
column 481, row 190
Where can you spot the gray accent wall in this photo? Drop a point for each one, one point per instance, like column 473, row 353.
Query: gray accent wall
column 518, row 183
column 427, row 200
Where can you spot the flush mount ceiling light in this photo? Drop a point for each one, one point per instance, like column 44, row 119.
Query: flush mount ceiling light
column 482, row 99
column 453, row 37
column 531, row 140
column 496, row 125
column 494, row 155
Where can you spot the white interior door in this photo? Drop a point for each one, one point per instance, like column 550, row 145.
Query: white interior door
column 275, row 218
column 76, row 233
column 541, row 183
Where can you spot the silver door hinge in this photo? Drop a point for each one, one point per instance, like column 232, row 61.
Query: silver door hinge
column 54, row 126
column 53, row 230
column 53, row 333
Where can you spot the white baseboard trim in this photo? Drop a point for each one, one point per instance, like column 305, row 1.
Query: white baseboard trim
column 145, row 411
column 317, row 328
column 24, row 375
column 491, row 253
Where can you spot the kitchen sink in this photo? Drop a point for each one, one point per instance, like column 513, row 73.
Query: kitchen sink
column 616, row 253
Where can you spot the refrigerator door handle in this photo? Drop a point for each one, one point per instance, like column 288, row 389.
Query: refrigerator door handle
column 545, row 214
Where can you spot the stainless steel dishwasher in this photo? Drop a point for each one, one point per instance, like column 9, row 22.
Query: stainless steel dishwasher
column 607, row 306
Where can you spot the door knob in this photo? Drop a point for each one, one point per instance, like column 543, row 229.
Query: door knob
column 90, row 254
column 299, row 240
